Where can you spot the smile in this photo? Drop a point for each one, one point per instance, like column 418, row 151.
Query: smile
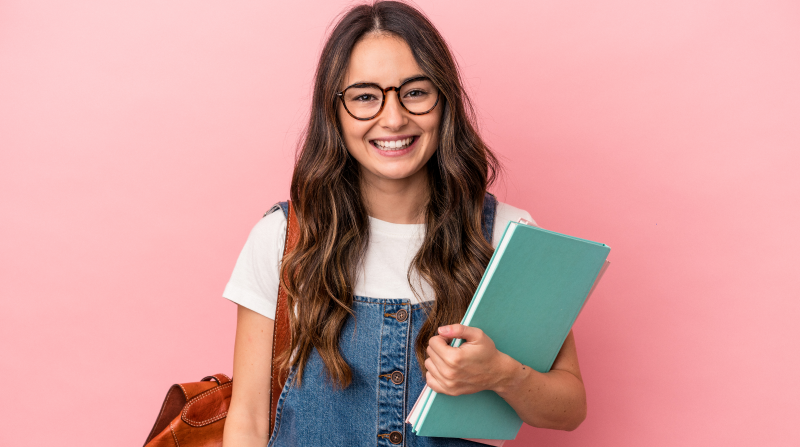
column 394, row 145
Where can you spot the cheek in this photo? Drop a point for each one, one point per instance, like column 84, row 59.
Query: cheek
column 432, row 128
column 343, row 124
column 353, row 130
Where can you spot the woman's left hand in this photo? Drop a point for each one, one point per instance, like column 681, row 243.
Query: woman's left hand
column 474, row 366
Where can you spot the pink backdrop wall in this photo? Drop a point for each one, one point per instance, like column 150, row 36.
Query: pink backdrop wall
column 140, row 141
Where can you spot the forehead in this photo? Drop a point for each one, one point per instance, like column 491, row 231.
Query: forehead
column 382, row 59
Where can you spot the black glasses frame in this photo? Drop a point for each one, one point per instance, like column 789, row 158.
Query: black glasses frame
column 384, row 91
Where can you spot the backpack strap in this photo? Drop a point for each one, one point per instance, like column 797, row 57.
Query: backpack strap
column 489, row 212
column 281, row 339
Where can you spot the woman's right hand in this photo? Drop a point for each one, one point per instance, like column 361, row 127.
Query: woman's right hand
column 247, row 423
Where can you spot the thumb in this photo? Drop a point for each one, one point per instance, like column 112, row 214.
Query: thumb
column 460, row 331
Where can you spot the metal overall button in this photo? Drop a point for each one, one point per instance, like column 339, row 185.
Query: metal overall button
column 395, row 437
column 396, row 377
column 401, row 315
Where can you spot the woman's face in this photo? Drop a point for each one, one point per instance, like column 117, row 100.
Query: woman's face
column 387, row 61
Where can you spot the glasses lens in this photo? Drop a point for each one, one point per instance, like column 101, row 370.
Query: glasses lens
column 419, row 96
column 363, row 102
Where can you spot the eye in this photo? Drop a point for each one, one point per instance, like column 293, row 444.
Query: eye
column 365, row 97
column 415, row 93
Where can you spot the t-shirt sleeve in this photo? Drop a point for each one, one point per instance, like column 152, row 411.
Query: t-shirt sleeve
column 505, row 214
column 255, row 278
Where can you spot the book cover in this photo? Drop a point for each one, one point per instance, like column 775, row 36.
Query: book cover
column 530, row 295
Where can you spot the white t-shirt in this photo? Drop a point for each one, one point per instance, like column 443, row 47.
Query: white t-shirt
column 254, row 282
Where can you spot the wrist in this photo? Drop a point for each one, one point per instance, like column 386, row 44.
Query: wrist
column 510, row 375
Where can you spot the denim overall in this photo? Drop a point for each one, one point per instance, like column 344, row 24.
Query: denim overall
column 378, row 344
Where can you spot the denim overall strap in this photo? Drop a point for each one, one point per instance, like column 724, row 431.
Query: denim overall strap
column 489, row 211
column 283, row 206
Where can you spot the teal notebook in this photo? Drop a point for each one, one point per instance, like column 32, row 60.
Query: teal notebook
column 530, row 295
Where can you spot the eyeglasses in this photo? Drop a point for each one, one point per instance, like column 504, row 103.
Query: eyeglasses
column 365, row 101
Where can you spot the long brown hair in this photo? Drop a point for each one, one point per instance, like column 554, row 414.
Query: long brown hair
column 334, row 226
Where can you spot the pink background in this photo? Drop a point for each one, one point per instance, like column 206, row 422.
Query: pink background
column 141, row 140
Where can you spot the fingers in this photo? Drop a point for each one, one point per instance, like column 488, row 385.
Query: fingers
column 445, row 353
column 439, row 376
column 436, row 363
column 462, row 370
column 469, row 334
column 433, row 383
column 432, row 369
column 477, row 340
column 433, row 376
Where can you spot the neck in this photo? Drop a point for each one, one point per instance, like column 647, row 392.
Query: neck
column 397, row 201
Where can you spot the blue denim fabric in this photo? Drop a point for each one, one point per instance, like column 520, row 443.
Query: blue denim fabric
column 378, row 344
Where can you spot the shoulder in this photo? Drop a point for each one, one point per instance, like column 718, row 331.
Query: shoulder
column 270, row 227
column 256, row 275
column 268, row 236
column 507, row 213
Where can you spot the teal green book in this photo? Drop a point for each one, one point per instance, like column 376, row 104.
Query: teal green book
column 533, row 289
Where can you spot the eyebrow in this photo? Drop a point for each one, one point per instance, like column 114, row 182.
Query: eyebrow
column 375, row 83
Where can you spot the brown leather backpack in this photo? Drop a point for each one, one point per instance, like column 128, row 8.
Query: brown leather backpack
column 193, row 414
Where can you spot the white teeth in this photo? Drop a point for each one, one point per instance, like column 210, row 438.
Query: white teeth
column 394, row 145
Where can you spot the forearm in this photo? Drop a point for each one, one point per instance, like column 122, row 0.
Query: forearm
column 555, row 399
column 247, row 423
column 244, row 430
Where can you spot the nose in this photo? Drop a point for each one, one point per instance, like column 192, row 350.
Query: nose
column 392, row 116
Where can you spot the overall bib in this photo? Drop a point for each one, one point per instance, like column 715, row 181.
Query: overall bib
column 378, row 344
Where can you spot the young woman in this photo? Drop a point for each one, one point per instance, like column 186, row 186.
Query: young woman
column 396, row 228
